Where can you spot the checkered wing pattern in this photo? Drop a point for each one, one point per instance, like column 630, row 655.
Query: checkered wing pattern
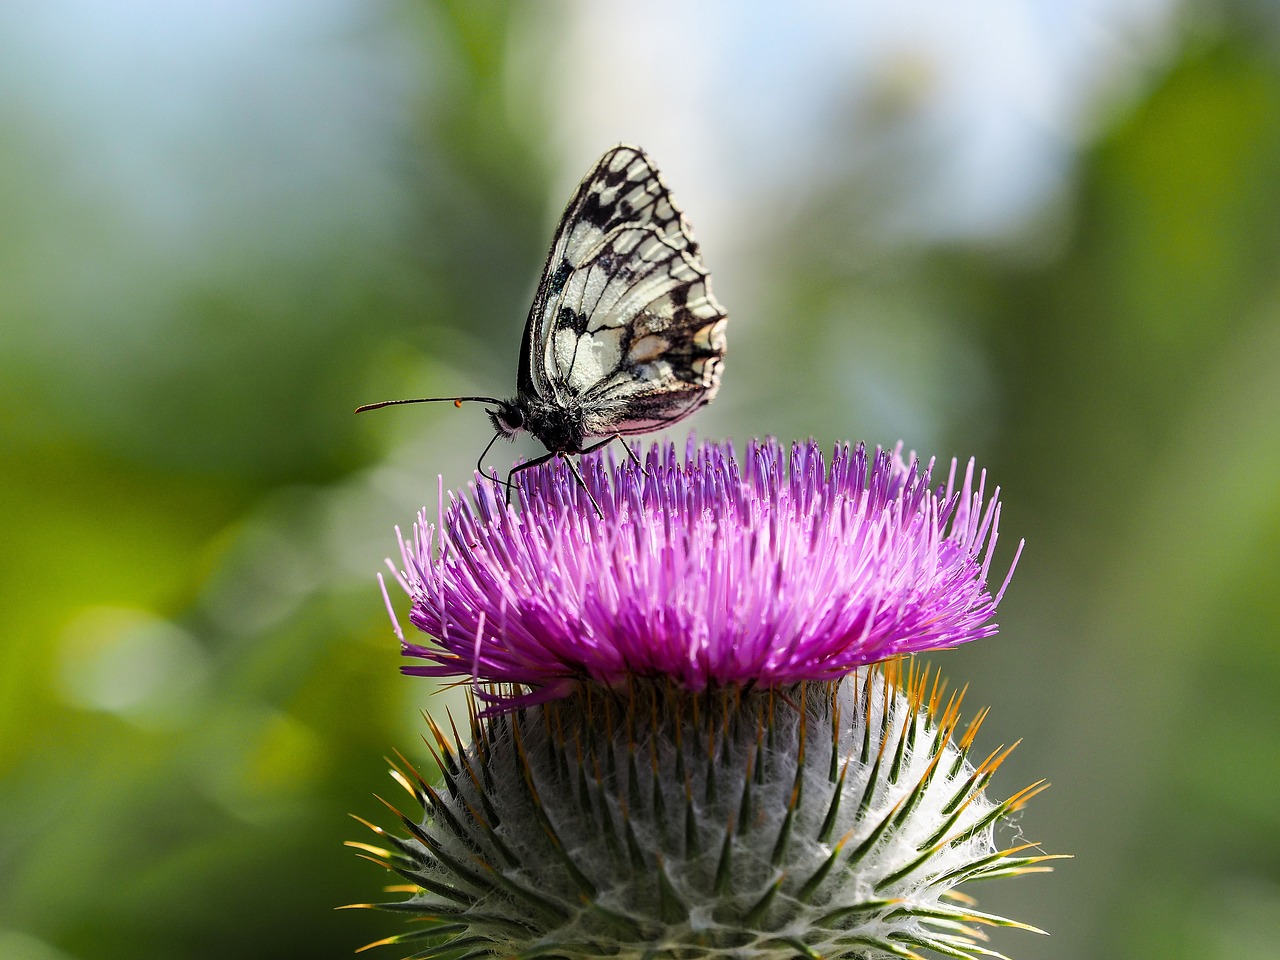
column 624, row 323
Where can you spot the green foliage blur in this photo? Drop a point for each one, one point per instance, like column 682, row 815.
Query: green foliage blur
column 197, row 679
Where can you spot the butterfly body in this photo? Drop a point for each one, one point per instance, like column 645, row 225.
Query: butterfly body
column 624, row 335
column 561, row 428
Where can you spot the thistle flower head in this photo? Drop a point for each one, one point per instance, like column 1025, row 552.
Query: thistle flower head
column 708, row 571
column 692, row 749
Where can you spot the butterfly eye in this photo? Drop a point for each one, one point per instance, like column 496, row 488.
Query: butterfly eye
column 507, row 420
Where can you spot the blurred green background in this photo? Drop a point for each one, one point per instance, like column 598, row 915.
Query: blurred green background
column 1043, row 234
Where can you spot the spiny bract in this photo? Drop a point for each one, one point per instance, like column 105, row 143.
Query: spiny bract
column 830, row 819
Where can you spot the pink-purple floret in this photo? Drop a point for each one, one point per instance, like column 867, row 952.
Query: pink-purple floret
column 708, row 571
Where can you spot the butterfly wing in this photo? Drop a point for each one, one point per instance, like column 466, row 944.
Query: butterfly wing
column 624, row 324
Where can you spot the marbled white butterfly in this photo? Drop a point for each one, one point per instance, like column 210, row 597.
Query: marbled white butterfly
column 624, row 335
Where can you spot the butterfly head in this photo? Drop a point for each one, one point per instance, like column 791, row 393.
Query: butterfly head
column 508, row 419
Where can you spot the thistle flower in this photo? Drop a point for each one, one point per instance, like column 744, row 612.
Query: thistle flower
column 687, row 749
column 708, row 572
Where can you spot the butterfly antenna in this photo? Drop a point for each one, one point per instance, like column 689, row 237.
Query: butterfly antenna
column 456, row 401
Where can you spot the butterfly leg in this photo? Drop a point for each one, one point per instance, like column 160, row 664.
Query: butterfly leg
column 516, row 469
column 625, row 446
column 632, row 454
column 484, row 453
column 494, row 475
column 572, row 469
column 578, row 476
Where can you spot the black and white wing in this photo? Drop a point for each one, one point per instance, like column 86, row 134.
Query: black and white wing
column 624, row 324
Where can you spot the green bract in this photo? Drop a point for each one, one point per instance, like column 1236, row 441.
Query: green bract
column 827, row 819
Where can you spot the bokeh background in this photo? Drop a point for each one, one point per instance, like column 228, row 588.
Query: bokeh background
column 1045, row 234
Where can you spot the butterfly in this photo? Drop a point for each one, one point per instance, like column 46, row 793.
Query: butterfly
column 624, row 335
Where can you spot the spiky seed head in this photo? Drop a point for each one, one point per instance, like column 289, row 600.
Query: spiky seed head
column 831, row 819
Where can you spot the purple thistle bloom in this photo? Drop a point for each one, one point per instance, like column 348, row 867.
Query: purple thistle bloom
column 709, row 572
